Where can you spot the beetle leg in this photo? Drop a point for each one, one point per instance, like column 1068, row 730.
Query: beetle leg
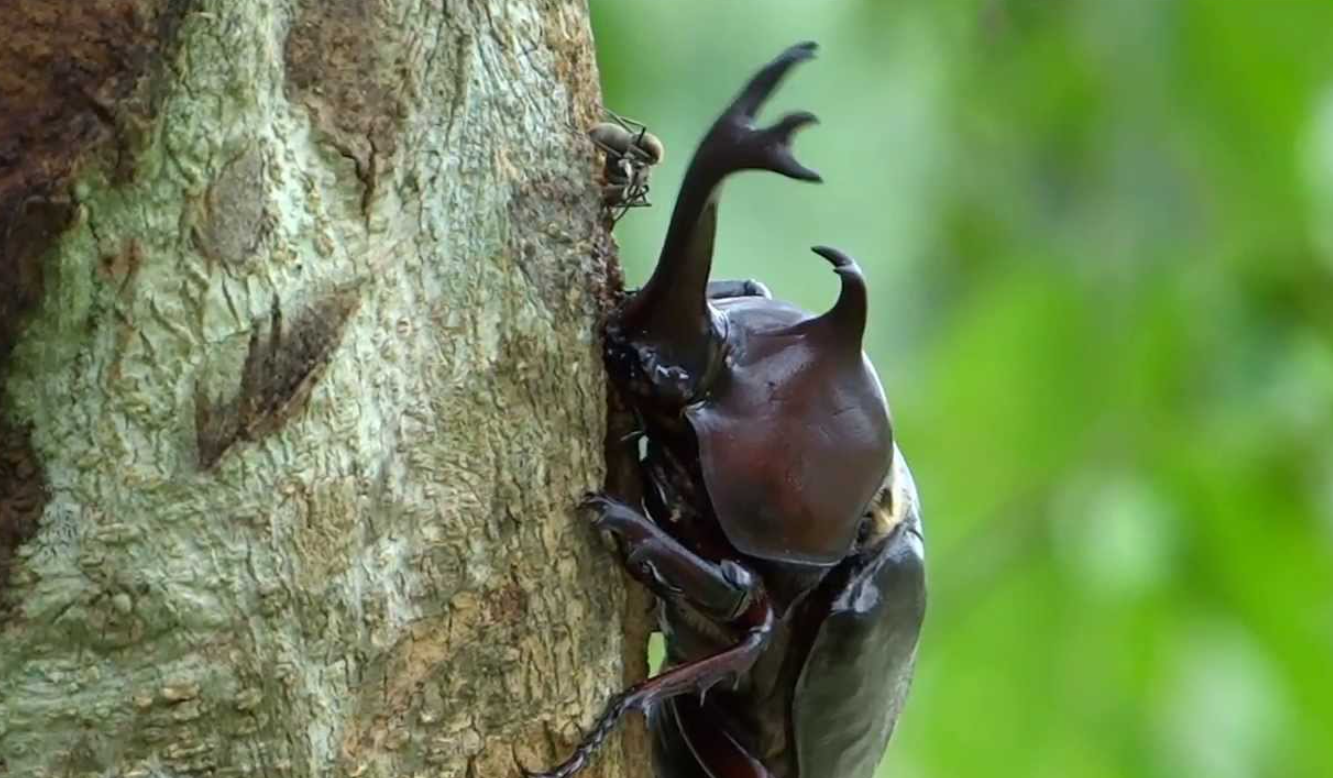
column 695, row 677
column 719, row 290
column 670, row 570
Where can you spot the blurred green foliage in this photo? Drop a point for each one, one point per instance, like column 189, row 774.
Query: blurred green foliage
column 1099, row 238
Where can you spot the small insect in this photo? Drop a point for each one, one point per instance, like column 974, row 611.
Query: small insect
column 630, row 151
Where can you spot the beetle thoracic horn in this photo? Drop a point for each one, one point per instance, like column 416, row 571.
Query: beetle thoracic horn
column 845, row 322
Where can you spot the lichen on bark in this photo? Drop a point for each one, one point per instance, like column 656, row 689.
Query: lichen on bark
column 387, row 577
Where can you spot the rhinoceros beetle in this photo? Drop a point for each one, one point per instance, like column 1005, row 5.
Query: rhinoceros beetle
column 779, row 529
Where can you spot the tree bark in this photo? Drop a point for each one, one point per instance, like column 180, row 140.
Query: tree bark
column 298, row 304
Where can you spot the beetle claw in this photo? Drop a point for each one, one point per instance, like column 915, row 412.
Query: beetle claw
column 602, row 508
column 592, row 501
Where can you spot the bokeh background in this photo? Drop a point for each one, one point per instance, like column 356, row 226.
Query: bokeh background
column 1099, row 238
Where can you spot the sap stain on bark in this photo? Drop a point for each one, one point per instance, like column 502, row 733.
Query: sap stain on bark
column 281, row 368
column 336, row 67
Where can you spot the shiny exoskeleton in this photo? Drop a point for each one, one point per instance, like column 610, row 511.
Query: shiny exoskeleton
column 780, row 528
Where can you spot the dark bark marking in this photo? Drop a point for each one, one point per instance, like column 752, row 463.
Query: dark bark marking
column 25, row 232
column 23, row 497
column 23, row 488
column 120, row 268
column 533, row 204
column 230, row 221
column 334, row 67
column 281, row 368
column 509, row 604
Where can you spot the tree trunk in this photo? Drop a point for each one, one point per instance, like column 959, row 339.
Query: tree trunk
column 300, row 380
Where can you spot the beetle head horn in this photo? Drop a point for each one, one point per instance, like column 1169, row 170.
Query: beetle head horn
column 671, row 312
